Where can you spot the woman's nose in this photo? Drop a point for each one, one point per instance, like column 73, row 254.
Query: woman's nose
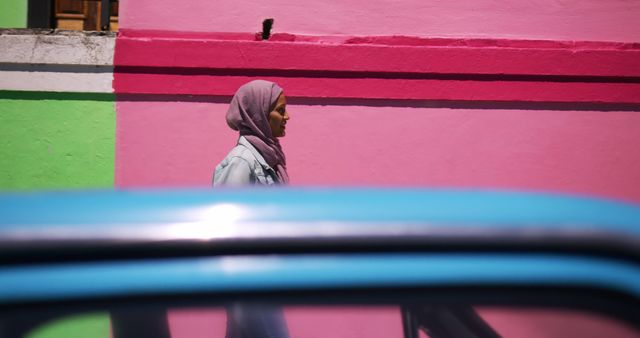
column 286, row 115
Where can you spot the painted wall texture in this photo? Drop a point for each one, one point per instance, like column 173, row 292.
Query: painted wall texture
column 56, row 140
column 13, row 14
column 57, row 114
column 586, row 152
column 89, row 325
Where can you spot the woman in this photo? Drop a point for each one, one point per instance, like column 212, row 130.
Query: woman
column 258, row 112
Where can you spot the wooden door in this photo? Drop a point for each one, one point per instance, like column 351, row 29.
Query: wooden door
column 83, row 15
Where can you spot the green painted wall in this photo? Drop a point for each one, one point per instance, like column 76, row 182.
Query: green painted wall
column 56, row 140
column 94, row 325
column 13, row 13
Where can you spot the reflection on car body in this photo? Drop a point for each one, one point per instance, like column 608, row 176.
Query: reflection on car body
column 342, row 262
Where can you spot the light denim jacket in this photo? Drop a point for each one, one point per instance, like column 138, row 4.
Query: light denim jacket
column 244, row 166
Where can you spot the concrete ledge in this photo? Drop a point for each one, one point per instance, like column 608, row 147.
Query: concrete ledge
column 58, row 61
column 29, row 46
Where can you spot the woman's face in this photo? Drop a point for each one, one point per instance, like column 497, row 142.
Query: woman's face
column 278, row 117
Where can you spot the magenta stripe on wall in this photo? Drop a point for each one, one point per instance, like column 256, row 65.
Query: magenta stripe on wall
column 381, row 68
column 396, row 89
column 378, row 54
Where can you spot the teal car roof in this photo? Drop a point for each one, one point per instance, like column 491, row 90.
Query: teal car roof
column 349, row 207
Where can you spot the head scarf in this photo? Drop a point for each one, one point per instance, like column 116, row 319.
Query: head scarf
column 248, row 113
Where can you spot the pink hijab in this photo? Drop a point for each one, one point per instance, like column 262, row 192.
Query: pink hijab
column 248, row 113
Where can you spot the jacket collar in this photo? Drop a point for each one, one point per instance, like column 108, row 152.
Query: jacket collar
column 244, row 142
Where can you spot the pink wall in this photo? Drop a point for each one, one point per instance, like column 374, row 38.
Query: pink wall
column 589, row 152
column 598, row 20
column 552, row 323
column 385, row 321
column 302, row 322
column 178, row 141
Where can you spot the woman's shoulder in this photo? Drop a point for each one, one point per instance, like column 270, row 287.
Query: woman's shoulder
column 241, row 167
column 247, row 151
column 242, row 153
column 237, row 168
